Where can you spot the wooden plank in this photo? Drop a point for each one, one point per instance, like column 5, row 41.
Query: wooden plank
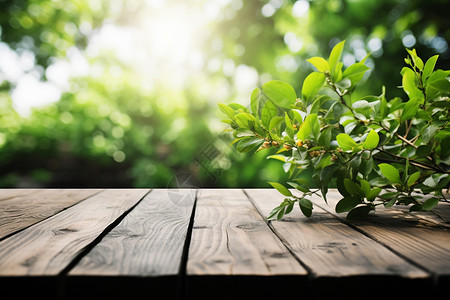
column 337, row 255
column 27, row 207
column 232, row 246
column 440, row 215
column 12, row 193
column 229, row 237
column 147, row 244
column 426, row 243
column 49, row 246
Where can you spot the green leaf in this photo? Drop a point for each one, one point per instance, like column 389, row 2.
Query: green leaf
column 366, row 167
column 390, row 172
column 254, row 102
column 308, row 127
column 243, row 133
column 281, row 93
column 355, row 79
column 405, row 171
column 416, row 207
column 278, row 157
column 390, row 203
column 409, row 84
column 390, row 195
column 347, row 204
column 226, row 110
column 353, row 188
column 299, row 187
column 341, row 187
column 248, row 144
column 325, row 137
column 306, row 207
column 274, row 122
column 245, row 120
column 429, row 132
column 413, row 178
column 312, row 85
column 297, row 116
column 320, row 63
column 431, row 203
column 373, row 194
column 281, row 213
column 268, row 112
column 372, row 140
column 355, row 167
column 383, row 112
column 410, row 109
column 328, row 172
column 337, row 76
column 417, row 61
column 361, row 105
column 289, row 129
column 335, row 56
column 289, row 208
column 423, row 150
column 355, row 69
column 237, row 106
column 442, row 85
column 345, row 142
column 365, row 187
column 429, row 67
column 359, row 212
column 281, row 188
column 273, row 213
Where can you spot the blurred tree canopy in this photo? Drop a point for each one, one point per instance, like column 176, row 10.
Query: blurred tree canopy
column 133, row 114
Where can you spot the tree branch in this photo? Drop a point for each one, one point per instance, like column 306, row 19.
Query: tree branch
column 415, row 163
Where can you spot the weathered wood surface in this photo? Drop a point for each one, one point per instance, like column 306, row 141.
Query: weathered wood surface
column 22, row 208
column 148, row 242
column 229, row 237
column 50, row 246
column 142, row 244
column 14, row 193
column 439, row 215
column 425, row 243
column 328, row 247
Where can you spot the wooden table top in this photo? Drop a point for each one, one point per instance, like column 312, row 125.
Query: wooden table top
column 213, row 244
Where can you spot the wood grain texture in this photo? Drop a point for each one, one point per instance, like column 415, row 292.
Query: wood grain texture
column 329, row 247
column 233, row 254
column 148, row 242
column 22, row 208
column 440, row 215
column 229, row 237
column 13, row 193
column 426, row 243
column 49, row 246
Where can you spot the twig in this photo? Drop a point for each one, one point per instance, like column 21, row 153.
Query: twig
column 413, row 162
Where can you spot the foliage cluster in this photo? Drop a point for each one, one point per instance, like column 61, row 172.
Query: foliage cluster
column 109, row 130
column 377, row 151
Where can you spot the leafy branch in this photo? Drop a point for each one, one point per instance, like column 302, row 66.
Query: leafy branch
column 361, row 146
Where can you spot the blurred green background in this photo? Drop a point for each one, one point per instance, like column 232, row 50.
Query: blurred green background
column 124, row 93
